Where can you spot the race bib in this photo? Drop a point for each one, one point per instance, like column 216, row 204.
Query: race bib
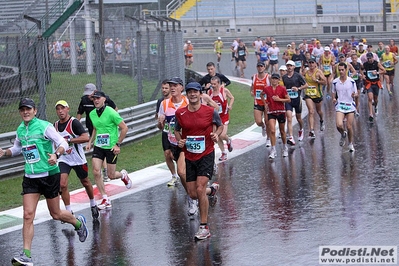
column 263, row 54
column 171, row 132
column 103, row 140
column 355, row 76
column 31, row 154
column 326, row 68
column 292, row 93
column 311, row 91
column 344, row 107
column 220, row 108
column 387, row 63
column 371, row 74
column 241, row 52
column 298, row 63
column 273, row 57
column 195, row 144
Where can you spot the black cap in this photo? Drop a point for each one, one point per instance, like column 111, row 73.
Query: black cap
column 176, row 80
column 26, row 102
column 312, row 60
column 98, row 94
column 275, row 76
column 193, row 86
column 260, row 64
column 369, row 55
column 341, row 55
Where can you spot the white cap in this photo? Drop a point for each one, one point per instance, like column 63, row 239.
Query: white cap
column 273, row 42
column 219, row 38
column 188, row 41
column 360, row 43
column 338, row 40
column 327, row 48
column 288, row 45
column 290, row 62
column 283, row 67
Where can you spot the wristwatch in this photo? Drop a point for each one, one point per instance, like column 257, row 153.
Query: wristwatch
column 58, row 155
column 118, row 144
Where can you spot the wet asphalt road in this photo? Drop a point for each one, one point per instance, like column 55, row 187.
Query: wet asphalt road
column 269, row 212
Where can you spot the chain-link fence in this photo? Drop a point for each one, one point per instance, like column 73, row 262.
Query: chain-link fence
column 134, row 56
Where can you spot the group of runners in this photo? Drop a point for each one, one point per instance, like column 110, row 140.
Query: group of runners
column 312, row 73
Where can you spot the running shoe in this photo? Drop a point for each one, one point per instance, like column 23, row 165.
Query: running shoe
column 105, row 175
column 203, row 233
column 376, row 110
column 125, row 178
column 322, row 126
column 264, row 131
column 229, row 145
column 272, row 154
column 351, row 148
column 83, row 232
column 357, row 114
column 291, row 141
column 22, row 259
column 300, row 135
column 213, row 198
column 192, row 208
column 105, row 204
column 312, row 135
column 371, row 119
column 285, row 152
column 173, row 182
column 390, row 94
column 95, row 213
column 268, row 143
column 342, row 140
column 223, row 157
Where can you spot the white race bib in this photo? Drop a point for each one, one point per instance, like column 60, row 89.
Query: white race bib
column 195, row 144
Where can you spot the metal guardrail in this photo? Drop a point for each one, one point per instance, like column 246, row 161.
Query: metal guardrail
column 139, row 119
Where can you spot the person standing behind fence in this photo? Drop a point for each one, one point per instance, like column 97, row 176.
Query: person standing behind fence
column 74, row 157
column 86, row 105
column 107, row 145
column 118, row 50
column 109, row 48
column 41, row 147
column 128, row 46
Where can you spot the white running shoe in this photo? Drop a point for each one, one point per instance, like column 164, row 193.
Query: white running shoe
column 300, row 135
column 285, row 152
column 272, row 154
column 268, row 143
column 351, row 148
column 105, row 204
column 125, row 178
column 192, row 208
column 342, row 140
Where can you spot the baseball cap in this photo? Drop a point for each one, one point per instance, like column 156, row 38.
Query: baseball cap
column 219, row 38
column 369, row 55
column 176, row 80
column 26, row 102
column 89, row 89
column 260, row 64
column 283, row 67
column 62, row 102
column 341, row 55
column 273, row 42
column 326, row 48
column 98, row 94
column 188, row 41
column 289, row 45
column 193, row 86
column 360, row 44
column 312, row 60
column 338, row 40
column 275, row 76
column 290, row 62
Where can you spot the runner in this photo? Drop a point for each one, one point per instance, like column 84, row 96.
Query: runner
column 327, row 61
column 165, row 142
column 188, row 54
column 389, row 61
column 273, row 53
column 225, row 100
column 74, row 157
column 217, row 48
column 275, row 96
column 107, row 145
column 344, row 91
column 294, row 83
column 242, row 53
column 256, row 45
column 41, row 147
column 196, row 135
column 372, row 83
column 206, row 80
column 167, row 121
column 313, row 95
column 259, row 82
column 357, row 76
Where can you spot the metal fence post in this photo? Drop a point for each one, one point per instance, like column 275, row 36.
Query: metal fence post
column 41, row 78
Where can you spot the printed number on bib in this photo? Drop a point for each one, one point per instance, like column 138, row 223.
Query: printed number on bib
column 298, row 63
column 31, row 154
column 195, row 144
column 273, row 57
column 344, row 107
column 257, row 95
column 371, row 74
column 292, row 93
column 387, row 63
column 103, row 140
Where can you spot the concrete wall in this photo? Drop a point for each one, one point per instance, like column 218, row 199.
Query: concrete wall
column 267, row 26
